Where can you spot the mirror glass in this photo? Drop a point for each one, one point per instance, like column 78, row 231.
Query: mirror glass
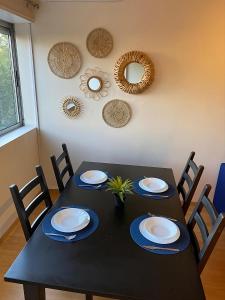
column 95, row 84
column 71, row 107
column 134, row 72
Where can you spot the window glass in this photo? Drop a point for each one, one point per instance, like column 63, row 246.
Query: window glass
column 10, row 104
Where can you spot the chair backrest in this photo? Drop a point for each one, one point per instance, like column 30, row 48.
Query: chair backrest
column 59, row 174
column 210, row 236
column 25, row 212
column 191, row 181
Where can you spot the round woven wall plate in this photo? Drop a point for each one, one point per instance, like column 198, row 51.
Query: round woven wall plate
column 116, row 113
column 99, row 42
column 64, row 60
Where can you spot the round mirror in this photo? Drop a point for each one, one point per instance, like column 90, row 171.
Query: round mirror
column 134, row 72
column 94, row 84
column 71, row 107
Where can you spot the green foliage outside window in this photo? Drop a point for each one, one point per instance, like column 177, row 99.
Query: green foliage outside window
column 8, row 105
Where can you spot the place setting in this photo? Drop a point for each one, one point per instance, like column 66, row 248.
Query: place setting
column 70, row 223
column 92, row 180
column 154, row 188
column 159, row 234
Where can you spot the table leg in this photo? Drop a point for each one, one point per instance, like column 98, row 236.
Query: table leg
column 89, row 297
column 33, row 292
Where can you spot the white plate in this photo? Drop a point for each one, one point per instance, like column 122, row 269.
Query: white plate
column 153, row 185
column 93, row 177
column 70, row 220
column 159, row 230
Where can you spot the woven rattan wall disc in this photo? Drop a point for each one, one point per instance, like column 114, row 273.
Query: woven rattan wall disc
column 64, row 60
column 116, row 113
column 99, row 42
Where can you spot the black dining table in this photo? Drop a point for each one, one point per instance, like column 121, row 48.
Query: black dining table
column 108, row 263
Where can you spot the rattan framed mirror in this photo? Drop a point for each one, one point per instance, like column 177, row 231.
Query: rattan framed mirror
column 134, row 72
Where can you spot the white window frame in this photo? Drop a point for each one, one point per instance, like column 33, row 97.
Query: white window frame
column 8, row 28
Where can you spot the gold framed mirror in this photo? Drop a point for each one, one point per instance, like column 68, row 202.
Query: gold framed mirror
column 71, row 106
column 134, row 72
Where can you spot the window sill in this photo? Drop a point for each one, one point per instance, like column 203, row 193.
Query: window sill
column 15, row 134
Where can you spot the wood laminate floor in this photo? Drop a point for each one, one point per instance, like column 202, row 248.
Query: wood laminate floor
column 213, row 276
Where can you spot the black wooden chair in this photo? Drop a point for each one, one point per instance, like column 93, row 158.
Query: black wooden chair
column 191, row 181
column 59, row 174
column 209, row 237
column 25, row 212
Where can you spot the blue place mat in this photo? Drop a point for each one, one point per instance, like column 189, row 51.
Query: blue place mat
column 182, row 243
column 157, row 196
column 82, row 185
column 80, row 235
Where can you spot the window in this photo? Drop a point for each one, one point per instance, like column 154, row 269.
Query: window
column 10, row 96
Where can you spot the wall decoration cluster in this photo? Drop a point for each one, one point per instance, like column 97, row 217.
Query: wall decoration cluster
column 99, row 42
column 134, row 72
column 71, row 106
column 94, row 83
column 64, row 60
column 116, row 113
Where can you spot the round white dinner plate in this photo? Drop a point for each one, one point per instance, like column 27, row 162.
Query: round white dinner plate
column 153, row 185
column 70, row 220
column 159, row 230
column 93, row 177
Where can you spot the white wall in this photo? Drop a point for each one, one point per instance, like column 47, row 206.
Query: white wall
column 183, row 110
column 17, row 160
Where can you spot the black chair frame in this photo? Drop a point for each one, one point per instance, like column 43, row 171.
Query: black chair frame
column 209, row 238
column 59, row 175
column 25, row 212
column 192, row 183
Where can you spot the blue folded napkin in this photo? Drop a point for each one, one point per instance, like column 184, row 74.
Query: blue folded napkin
column 158, row 196
column 182, row 243
column 80, row 235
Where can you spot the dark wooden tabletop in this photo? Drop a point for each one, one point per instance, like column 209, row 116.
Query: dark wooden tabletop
column 109, row 263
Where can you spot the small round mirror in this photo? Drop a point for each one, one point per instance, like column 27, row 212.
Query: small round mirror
column 71, row 107
column 94, row 84
column 134, row 72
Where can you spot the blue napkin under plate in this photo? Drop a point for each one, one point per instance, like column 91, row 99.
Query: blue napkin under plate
column 80, row 235
column 82, row 185
column 157, row 196
column 182, row 243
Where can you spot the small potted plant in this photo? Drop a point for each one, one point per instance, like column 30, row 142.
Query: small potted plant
column 119, row 188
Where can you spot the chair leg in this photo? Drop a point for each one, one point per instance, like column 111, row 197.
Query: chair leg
column 89, row 297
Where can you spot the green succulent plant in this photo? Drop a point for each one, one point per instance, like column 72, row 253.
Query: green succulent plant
column 119, row 187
